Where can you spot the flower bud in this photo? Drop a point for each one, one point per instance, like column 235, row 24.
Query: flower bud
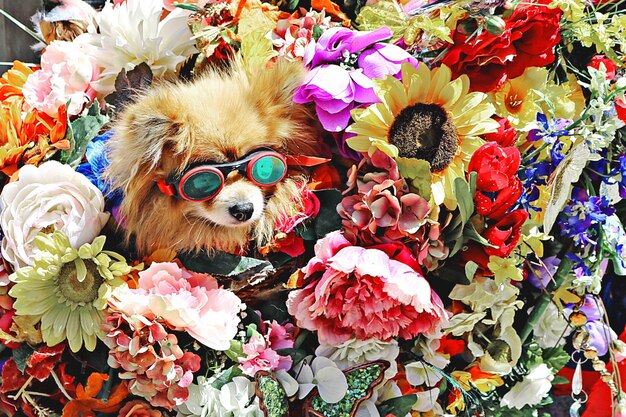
column 495, row 25
column 467, row 26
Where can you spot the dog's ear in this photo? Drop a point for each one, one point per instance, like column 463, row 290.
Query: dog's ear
column 143, row 132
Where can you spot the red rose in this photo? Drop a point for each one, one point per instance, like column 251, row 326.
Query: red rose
column 528, row 40
column 497, row 186
column 506, row 135
column 505, row 234
column 609, row 65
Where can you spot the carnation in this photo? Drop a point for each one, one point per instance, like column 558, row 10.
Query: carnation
column 132, row 33
column 66, row 76
column 186, row 301
column 358, row 292
column 47, row 198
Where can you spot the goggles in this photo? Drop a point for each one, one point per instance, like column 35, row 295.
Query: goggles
column 203, row 182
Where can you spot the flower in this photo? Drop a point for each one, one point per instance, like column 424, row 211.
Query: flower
column 138, row 408
column 323, row 374
column 531, row 390
column 359, row 292
column 66, row 74
column 343, row 64
column 505, row 234
column 292, row 35
column 151, row 360
column 426, row 116
column 552, row 328
column 234, row 399
column 260, row 357
column 67, row 289
column 47, row 198
column 132, row 33
column 497, row 185
column 506, row 135
column 609, row 66
column 87, row 402
column 548, row 130
column 528, row 40
column 185, row 301
column 355, row 352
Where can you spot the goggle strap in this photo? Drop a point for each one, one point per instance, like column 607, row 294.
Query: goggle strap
column 305, row 161
column 165, row 188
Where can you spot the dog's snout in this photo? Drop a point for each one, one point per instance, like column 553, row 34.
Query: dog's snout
column 242, row 211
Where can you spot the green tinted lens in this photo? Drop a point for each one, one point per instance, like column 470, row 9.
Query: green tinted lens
column 202, row 185
column 268, row 170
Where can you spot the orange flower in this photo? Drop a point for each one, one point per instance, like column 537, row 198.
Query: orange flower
column 324, row 176
column 13, row 80
column 86, row 403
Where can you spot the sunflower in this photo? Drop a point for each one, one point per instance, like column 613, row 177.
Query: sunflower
column 426, row 116
column 67, row 289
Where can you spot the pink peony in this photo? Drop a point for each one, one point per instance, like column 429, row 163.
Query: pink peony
column 260, row 357
column 362, row 293
column 66, row 74
column 185, row 301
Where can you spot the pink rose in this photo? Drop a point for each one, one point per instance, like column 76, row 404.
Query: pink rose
column 66, row 74
column 362, row 293
column 186, row 301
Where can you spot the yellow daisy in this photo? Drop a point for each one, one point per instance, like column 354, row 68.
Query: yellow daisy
column 426, row 116
column 67, row 289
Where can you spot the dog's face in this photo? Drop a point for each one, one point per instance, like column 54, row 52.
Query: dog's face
column 220, row 118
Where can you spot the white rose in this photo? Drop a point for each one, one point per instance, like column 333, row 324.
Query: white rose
column 50, row 197
column 531, row 390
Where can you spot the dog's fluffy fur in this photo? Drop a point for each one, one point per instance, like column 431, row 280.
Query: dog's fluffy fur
column 220, row 117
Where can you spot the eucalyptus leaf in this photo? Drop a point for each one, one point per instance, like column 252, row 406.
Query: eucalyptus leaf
column 225, row 264
column 469, row 232
column 464, row 198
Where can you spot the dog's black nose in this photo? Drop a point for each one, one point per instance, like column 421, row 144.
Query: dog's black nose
column 241, row 211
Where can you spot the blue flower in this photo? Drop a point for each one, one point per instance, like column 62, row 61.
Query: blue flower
column 97, row 163
column 549, row 130
column 582, row 218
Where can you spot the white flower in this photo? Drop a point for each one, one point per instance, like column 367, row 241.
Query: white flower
column 552, row 328
column 46, row 198
column 235, row 399
column 354, row 352
column 531, row 390
column 324, row 374
column 133, row 32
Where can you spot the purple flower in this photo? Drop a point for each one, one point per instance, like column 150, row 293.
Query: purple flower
column 541, row 274
column 343, row 63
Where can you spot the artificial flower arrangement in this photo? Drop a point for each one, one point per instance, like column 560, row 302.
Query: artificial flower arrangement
column 460, row 255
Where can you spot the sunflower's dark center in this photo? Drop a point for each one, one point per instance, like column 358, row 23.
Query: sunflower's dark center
column 424, row 131
column 75, row 291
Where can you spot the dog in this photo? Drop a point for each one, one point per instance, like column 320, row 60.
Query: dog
column 220, row 118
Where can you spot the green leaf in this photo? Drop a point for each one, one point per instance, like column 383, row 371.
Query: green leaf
column 555, row 358
column 82, row 131
column 317, row 31
column 464, row 198
column 399, row 406
column 470, row 270
column 469, row 232
column 226, row 376
column 327, row 220
column 235, row 351
column 225, row 264
column 296, row 354
column 191, row 7
column 21, row 356
column 417, row 173
column 560, row 380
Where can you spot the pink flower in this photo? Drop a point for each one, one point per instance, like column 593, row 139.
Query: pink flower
column 138, row 408
column 66, row 74
column 186, row 301
column 362, row 293
column 260, row 357
column 280, row 337
column 150, row 359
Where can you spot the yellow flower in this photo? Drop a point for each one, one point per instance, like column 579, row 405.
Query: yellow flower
column 504, row 269
column 67, row 289
column 426, row 116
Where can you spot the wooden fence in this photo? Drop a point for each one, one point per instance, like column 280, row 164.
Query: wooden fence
column 14, row 42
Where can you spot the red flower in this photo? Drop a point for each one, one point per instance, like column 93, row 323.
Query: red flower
column 497, row 186
column 505, row 234
column 609, row 65
column 527, row 41
column 506, row 135
column 620, row 109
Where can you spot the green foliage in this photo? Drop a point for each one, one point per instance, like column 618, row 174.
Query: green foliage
column 399, row 406
column 80, row 132
column 226, row 376
column 21, row 355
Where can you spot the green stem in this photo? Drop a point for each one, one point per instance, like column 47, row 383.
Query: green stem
column 108, row 384
column 542, row 304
